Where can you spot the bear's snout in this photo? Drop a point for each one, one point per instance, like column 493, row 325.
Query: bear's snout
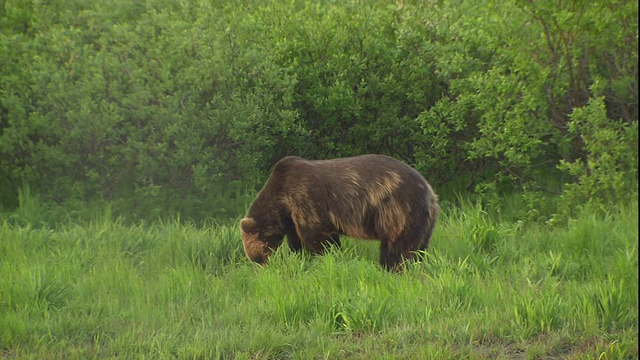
column 259, row 259
column 256, row 250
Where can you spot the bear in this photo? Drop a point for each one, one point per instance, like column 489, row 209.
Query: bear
column 313, row 202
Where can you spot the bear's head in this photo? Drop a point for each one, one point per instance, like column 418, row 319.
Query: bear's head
column 259, row 240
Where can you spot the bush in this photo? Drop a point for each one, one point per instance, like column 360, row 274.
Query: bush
column 165, row 107
column 610, row 163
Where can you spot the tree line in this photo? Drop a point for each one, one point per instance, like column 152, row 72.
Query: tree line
column 185, row 106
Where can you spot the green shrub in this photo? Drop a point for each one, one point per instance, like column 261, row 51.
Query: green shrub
column 164, row 107
column 610, row 163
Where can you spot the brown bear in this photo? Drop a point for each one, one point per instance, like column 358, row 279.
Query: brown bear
column 313, row 202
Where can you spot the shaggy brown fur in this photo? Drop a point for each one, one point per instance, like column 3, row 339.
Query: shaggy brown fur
column 365, row 197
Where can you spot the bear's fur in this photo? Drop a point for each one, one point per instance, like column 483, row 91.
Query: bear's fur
column 313, row 202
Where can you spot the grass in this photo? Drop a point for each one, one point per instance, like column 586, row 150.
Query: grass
column 486, row 289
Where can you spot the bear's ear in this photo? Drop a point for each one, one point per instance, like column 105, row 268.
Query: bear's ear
column 248, row 225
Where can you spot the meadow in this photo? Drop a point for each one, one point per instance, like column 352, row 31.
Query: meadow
column 488, row 288
column 144, row 129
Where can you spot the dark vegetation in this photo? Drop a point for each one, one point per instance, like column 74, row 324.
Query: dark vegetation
column 161, row 108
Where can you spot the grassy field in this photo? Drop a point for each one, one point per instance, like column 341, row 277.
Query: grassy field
column 486, row 289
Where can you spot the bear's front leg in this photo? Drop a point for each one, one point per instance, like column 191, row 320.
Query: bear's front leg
column 317, row 242
column 293, row 240
column 334, row 240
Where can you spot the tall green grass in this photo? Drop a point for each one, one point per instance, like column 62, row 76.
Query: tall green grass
column 486, row 289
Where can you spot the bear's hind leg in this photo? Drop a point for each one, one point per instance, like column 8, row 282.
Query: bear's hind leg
column 394, row 252
column 390, row 257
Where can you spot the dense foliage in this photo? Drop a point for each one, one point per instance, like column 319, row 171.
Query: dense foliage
column 163, row 106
